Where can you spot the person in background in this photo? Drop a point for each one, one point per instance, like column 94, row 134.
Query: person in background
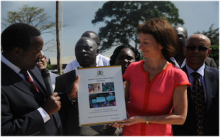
column 41, row 64
column 155, row 86
column 85, row 51
column 179, row 57
column 100, row 59
column 123, row 55
column 182, row 36
column 203, row 94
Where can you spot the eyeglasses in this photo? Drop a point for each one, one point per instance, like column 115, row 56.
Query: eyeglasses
column 42, row 57
column 193, row 48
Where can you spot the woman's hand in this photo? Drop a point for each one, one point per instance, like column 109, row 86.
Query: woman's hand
column 129, row 121
column 116, row 125
column 133, row 120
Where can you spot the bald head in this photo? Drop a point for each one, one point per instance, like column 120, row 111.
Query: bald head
column 197, row 50
column 181, row 31
column 200, row 38
column 92, row 35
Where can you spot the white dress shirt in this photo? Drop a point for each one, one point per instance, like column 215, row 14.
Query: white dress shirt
column 100, row 61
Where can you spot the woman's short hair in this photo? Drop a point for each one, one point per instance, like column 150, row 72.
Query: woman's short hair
column 118, row 50
column 164, row 33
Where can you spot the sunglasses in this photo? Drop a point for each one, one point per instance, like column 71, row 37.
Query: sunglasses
column 193, row 48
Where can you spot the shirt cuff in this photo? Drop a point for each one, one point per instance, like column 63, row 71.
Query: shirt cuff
column 71, row 100
column 44, row 114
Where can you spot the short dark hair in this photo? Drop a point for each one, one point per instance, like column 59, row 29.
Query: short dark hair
column 96, row 39
column 118, row 50
column 18, row 35
column 164, row 33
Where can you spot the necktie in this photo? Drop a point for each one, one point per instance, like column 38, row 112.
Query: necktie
column 29, row 80
column 199, row 102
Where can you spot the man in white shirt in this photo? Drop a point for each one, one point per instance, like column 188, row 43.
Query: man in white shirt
column 100, row 59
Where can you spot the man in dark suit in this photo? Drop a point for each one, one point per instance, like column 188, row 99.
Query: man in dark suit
column 203, row 98
column 27, row 108
column 85, row 51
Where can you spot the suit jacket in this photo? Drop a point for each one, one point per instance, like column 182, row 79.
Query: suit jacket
column 69, row 116
column 19, row 103
column 211, row 122
column 210, row 62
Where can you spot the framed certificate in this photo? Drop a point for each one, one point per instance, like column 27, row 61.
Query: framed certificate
column 100, row 95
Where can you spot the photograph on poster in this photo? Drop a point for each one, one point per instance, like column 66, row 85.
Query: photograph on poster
column 102, row 100
column 108, row 86
column 94, row 88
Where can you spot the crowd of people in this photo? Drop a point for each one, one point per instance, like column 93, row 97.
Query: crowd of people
column 109, row 86
column 94, row 88
column 108, row 99
column 174, row 91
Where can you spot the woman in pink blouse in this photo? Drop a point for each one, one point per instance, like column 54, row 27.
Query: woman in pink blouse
column 156, row 90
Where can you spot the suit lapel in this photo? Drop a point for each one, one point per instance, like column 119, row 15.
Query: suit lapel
column 37, row 76
column 208, row 77
column 16, row 81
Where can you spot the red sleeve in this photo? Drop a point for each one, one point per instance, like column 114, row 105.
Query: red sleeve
column 181, row 79
column 127, row 73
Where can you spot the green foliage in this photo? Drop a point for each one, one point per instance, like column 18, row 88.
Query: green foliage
column 212, row 34
column 49, row 67
column 30, row 15
column 36, row 17
column 123, row 17
column 215, row 53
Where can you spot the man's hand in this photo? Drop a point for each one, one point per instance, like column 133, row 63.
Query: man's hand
column 52, row 104
column 73, row 89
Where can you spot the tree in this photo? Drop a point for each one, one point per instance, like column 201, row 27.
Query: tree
column 122, row 18
column 215, row 53
column 33, row 16
column 213, row 35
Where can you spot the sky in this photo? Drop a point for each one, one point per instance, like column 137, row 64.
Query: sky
column 77, row 15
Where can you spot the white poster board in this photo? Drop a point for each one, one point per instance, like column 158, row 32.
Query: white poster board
column 100, row 95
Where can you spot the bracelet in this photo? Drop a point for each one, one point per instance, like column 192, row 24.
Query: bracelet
column 147, row 120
